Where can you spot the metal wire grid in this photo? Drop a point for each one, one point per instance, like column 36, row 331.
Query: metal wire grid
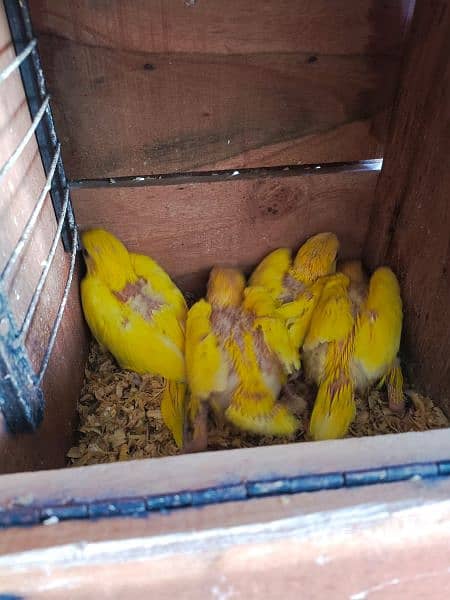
column 21, row 397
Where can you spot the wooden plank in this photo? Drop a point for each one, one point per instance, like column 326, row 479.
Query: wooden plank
column 301, row 545
column 230, row 514
column 142, row 88
column 19, row 192
column 211, row 469
column 189, row 227
column 411, row 220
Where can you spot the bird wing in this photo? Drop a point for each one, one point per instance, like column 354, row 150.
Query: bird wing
column 332, row 324
column 137, row 344
column 271, row 271
column 159, row 284
column 298, row 312
column 206, row 364
column 253, row 405
column 379, row 326
column 332, row 319
column 259, row 302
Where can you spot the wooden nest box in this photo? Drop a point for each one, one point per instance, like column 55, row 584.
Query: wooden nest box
column 201, row 133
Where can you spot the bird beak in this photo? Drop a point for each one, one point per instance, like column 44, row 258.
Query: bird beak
column 87, row 259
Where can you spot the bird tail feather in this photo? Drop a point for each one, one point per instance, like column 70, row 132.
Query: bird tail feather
column 173, row 408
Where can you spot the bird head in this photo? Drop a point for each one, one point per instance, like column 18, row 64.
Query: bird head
column 384, row 281
column 107, row 258
column 334, row 282
column 316, row 258
column 354, row 271
column 225, row 287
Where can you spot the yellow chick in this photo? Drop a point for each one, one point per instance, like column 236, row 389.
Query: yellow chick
column 377, row 338
column 352, row 344
column 238, row 354
column 135, row 310
column 358, row 291
column 296, row 285
column 326, row 360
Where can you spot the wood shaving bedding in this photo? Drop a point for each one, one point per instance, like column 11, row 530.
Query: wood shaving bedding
column 120, row 417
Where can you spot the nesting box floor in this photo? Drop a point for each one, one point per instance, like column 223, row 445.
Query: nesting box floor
column 120, row 417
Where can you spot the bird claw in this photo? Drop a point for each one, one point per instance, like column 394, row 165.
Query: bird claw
column 395, row 406
column 297, row 404
column 199, row 441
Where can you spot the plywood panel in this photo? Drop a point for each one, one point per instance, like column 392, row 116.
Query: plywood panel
column 150, row 87
column 411, row 221
column 341, row 544
column 189, row 227
column 174, row 474
column 19, row 191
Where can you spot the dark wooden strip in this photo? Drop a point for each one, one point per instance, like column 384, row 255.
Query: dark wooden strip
column 143, row 87
column 411, row 221
column 224, row 175
column 190, row 227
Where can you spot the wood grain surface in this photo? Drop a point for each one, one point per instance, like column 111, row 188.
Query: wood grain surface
column 411, row 221
column 189, row 227
column 154, row 87
column 389, row 541
column 173, row 474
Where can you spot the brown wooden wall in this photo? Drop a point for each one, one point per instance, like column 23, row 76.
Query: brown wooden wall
column 188, row 227
column 145, row 87
column 410, row 226
column 19, row 191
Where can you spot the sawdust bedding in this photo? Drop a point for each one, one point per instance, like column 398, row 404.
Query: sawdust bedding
column 120, row 418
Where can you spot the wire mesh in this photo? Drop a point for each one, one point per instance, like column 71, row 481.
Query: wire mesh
column 61, row 309
column 24, row 141
column 17, row 61
column 28, row 230
column 21, row 397
column 44, row 274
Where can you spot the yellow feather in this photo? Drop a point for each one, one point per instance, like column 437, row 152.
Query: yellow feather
column 160, row 284
column 245, row 414
column 394, row 383
column 206, row 364
column 316, row 258
column 298, row 313
column 334, row 410
column 166, row 322
column 296, row 286
column 107, row 259
column 276, row 335
column 253, row 404
column 378, row 328
column 237, row 355
column 327, row 353
column 136, row 344
column 271, row 271
column 225, row 287
column 134, row 309
column 332, row 320
column 173, row 409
